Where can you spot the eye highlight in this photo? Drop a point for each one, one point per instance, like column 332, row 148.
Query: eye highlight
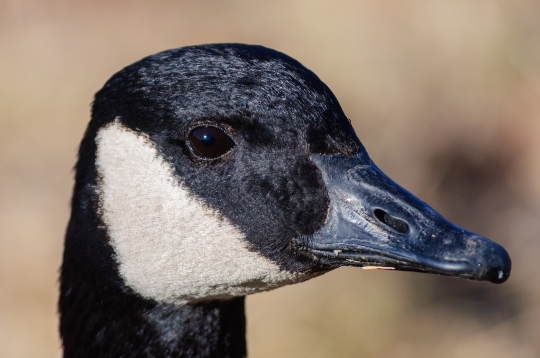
column 209, row 142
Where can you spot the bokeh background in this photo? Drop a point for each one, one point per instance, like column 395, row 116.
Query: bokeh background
column 444, row 94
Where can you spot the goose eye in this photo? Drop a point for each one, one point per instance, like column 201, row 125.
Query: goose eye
column 210, row 142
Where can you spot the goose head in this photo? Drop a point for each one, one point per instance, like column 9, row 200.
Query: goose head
column 218, row 171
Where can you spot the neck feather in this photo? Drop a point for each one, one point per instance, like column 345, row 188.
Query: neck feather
column 111, row 323
column 101, row 317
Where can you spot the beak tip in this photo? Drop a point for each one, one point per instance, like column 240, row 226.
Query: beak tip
column 498, row 276
column 499, row 270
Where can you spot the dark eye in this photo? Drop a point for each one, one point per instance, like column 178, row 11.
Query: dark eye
column 209, row 142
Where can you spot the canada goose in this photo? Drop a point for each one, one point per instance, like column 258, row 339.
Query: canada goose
column 212, row 172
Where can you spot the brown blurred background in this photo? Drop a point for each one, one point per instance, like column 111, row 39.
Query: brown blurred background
column 444, row 94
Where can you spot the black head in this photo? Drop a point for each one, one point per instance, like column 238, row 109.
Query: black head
column 218, row 171
column 254, row 148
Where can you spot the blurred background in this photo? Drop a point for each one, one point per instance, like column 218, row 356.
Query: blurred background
column 445, row 95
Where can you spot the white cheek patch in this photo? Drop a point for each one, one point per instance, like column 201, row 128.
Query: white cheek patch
column 170, row 246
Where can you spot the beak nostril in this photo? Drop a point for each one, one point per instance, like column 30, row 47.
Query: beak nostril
column 395, row 223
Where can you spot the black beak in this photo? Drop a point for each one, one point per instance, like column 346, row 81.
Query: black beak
column 375, row 223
